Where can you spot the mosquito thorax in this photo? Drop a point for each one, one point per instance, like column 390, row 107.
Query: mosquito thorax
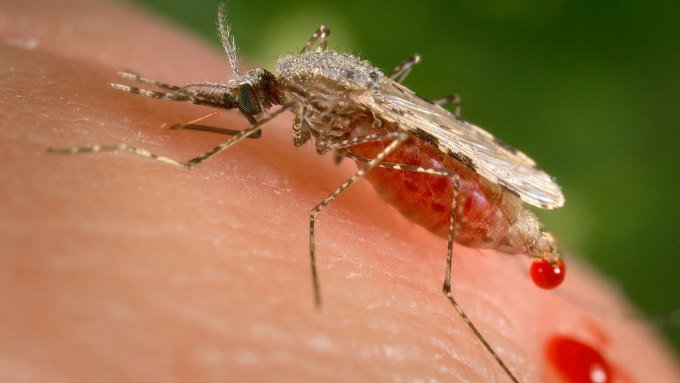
column 324, row 89
column 327, row 72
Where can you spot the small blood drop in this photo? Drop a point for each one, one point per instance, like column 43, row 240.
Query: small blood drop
column 577, row 362
column 547, row 274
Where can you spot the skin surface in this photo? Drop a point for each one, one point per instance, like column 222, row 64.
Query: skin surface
column 118, row 268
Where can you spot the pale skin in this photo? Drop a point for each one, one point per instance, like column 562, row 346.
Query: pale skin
column 115, row 267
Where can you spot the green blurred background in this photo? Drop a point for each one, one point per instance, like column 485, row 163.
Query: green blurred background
column 588, row 88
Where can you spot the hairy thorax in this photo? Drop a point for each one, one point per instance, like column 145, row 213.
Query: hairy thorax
column 325, row 90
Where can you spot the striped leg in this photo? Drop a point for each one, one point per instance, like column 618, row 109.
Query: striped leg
column 449, row 257
column 397, row 138
column 192, row 163
column 453, row 99
column 127, row 74
column 321, row 35
column 402, row 70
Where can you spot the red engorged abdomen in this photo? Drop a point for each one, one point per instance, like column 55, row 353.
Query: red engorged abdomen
column 483, row 214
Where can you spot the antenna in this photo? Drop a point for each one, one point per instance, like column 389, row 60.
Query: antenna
column 227, row 38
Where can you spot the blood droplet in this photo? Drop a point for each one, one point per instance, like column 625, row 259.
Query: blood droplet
column 547, row 274
column 577, row 362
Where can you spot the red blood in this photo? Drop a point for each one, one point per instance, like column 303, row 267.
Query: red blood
column 426, row 200
column 547, row 274
column 577, row 362
column 487, row 216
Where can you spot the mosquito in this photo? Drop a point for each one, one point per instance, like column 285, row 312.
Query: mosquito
column 440, row 171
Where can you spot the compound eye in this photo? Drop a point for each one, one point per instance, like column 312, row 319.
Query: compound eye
column 247, row 100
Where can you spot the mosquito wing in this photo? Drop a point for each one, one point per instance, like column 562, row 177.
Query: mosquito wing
column 476, row 148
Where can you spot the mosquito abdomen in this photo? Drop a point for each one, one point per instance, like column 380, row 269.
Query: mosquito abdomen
column 487, row 216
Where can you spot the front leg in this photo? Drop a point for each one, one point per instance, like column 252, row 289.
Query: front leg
column 190, row 164
column 449, row 257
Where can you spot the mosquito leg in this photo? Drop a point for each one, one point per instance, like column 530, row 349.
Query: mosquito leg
column 130, row 75
column 402, row 70
column 408, row 168
column 447, row 286
column 321, row 35
column 366, row 139
column 449, row 258
column 397, row 138
column 191, row 125
column 190, row 164
column 213, row 129
column 447, row 290
column 452, row 99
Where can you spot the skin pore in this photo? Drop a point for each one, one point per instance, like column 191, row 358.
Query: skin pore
column 116, row 267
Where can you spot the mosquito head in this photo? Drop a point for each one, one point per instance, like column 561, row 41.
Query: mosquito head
column 256, row 91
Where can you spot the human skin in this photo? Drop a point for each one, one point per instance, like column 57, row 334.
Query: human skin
column 115, row 267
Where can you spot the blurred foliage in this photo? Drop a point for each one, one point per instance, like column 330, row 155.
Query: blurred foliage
column 588, row 89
